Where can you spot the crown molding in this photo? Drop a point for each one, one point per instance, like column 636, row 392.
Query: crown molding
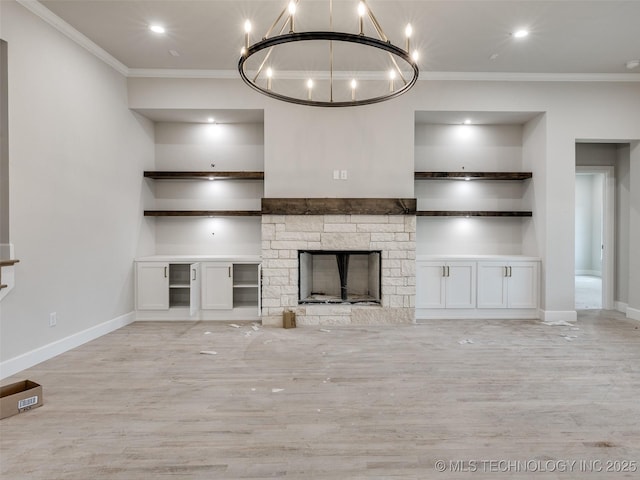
column 183, row 73
column 530, row 77
column 52, row 19
column 424, row 76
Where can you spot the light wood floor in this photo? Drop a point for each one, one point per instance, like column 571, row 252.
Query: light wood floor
column 349, row 403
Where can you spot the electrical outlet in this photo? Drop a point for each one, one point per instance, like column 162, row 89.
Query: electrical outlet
column 343, row 174
column 336, row 174
column 53, row 319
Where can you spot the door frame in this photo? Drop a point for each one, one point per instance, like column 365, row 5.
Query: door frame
column 608, row 230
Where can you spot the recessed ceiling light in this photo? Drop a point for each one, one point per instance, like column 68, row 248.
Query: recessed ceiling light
column 210, row 119
column 467, row 122
column 520, row 33
column 157, row 28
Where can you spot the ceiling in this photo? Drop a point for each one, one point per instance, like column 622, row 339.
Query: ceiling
column 567, row 37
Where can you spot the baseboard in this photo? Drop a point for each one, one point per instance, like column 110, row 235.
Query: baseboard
column 558, row 315
column 633, row 313
column 620, row 307
column 29, row 359
column 591, row 273
column 475, row 313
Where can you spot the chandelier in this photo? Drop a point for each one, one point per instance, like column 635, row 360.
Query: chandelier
column 324, row 67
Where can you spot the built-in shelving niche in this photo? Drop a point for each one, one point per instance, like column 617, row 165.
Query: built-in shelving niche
column 474, row 182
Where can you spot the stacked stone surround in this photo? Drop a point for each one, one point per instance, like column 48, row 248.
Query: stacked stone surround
column 284, row 235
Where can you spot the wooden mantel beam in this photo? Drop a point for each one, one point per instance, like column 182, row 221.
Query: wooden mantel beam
column 339, row 206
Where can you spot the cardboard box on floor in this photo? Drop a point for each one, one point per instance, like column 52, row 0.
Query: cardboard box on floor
column 289, row 319
column 19, row 397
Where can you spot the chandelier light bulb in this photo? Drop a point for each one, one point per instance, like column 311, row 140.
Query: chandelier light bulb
column 292, row 12
column 408, row 31
column 392, row 76
column 247, row 31
column 309, row 88
column 157, row 28
column 269, row 77
column 520, row 33
column 415, row 55
column 362, row 9
column 354, row 84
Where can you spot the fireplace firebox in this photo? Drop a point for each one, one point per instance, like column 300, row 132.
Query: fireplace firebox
column 339, row 276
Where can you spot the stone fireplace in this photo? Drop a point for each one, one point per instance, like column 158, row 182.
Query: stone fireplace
column 385, row 242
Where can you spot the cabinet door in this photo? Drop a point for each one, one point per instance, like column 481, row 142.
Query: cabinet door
column 194, row 289
column 217, row 286
column 152, row 286
column 430, row 285
column 492, row 285
column 460, row 285
column 523, row 285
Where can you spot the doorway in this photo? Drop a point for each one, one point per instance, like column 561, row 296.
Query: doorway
column 594, row 237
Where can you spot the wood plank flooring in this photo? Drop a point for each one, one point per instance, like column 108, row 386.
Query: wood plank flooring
column 366, row 402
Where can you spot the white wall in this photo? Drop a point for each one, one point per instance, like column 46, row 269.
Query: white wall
column 574, row 111
column 76, row 158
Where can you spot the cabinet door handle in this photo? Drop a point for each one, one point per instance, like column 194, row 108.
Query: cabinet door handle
column 229, row 272
column 506, row 271
column 509, row 271
column 165, row 272
column 448, row 270
column 194, row 275
column 444, row 271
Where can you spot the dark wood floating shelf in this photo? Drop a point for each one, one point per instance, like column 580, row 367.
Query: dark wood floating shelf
column 202, row 213
column 8, row 263
column 472, row 213
column 473, row 175
column 339, row 206
column 163, row 175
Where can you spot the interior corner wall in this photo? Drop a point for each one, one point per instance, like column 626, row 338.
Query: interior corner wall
column 76, row 157
column 534, row 159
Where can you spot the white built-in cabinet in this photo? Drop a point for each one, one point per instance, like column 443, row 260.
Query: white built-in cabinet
column 172, row 289
column 217, row 286
column 446, row 284
column 507, row 284
column 489, row 286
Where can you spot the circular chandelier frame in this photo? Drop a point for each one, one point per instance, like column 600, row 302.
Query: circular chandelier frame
column 329, row 36
column 382, row 44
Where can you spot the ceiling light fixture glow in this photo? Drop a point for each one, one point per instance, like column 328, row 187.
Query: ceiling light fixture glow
column 332, row 81
column 157, row 28
column 520, row 33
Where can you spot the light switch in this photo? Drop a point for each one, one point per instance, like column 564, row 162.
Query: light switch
column 343, row 174
column 336, row 174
